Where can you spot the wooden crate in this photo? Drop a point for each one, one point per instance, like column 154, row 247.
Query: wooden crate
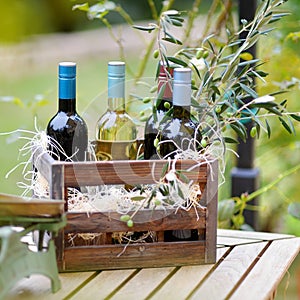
column 61, row 175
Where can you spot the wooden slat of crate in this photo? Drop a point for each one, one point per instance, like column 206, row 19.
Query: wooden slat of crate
column 145, row 220
column 130, row 172
column 142, row 255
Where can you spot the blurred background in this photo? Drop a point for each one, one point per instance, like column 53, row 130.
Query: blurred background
column 36, row 35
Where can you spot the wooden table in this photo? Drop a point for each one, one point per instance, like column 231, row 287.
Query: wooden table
column 249, row 265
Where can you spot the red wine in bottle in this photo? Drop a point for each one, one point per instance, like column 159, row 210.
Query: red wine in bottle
column 178, row 132
column 163, row 104
column 67, row 130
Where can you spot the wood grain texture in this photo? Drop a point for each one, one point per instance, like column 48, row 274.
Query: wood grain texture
column 273, row 264
column 104, row 284
column 43, row 162
column 126, row 171
column 141, row 285
column 187, row 278
column 146, row 255
column 249, row 235
column 225, row 277
column 210, row 200
column 15, row 206
column 144, row 220
column 38, row 287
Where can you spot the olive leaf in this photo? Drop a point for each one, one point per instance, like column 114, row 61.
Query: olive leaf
column 145, row 28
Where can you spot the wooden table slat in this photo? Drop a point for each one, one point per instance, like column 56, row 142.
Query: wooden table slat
column 231, row 241
column 187, row 278
column 273, row 264
column 104, row 284
column 143, row 283
column 228, row 273
column 264, row 236
column 39, row 286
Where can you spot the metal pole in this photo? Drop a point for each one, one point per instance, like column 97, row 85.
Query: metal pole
column 244, row 177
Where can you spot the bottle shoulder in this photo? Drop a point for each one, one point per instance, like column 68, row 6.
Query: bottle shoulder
column 110, row 118
column 178, row 127
column 62, row 119
column 116, row 126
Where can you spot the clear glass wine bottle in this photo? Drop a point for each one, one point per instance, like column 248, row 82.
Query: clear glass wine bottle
column 116, row 132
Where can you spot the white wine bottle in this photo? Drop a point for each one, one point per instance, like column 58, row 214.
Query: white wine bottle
column 116, row 132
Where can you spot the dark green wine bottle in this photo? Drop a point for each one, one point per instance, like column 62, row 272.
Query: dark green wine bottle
column 67, row 131
column 178, row 133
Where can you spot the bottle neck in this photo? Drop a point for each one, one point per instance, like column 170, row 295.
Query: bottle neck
column 182, row 93
column 181, row 112
column 164, row 89
column 116, row 93
column 67, row 105
column 116, row 104
column 67, row 94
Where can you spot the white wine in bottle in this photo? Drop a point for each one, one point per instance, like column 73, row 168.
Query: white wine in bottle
column 116, row 132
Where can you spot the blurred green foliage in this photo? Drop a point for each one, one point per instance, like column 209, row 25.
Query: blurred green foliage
column 20, row 19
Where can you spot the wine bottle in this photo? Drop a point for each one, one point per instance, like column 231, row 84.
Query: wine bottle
column 67, row 130
column 163, row 104
column 116, row 132
column 178, row 132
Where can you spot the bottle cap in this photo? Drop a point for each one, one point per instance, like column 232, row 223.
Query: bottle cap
column 67, row 69
column 67, row 80
column 182, row 89
column 116, row 79
column 182, row 75
column 116, row 69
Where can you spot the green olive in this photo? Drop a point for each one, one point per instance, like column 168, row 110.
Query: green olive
column 199, row 53
column 203, row 142
column 167, row 105
column 253, row 131
column 218, row 109
column 146, row 99
column 205, row 54
column 156, row 53
column 130, row 223
column 125, row 218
